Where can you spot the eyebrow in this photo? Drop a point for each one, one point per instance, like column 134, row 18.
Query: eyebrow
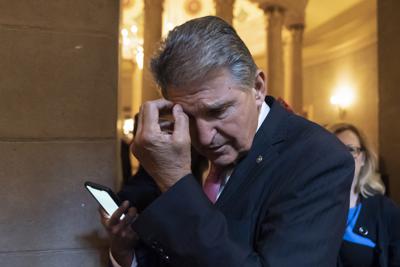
column 207, row 107
column 218, row 105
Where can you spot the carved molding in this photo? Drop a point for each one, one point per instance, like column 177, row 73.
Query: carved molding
column 294, row 9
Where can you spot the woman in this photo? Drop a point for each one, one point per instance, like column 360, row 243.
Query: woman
column 372, row 235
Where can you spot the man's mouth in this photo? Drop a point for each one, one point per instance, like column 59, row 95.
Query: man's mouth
column 216, row 149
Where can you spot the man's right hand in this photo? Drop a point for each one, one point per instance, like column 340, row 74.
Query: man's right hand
column 122, row 237
column 164, row 153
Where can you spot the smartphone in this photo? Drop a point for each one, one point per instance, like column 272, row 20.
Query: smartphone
column 107, row 199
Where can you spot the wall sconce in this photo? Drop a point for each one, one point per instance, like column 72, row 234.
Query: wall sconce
column 342, row 98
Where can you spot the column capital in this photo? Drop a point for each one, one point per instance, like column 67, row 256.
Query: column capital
column 295, row 15
column 295, row 19
column 271, row 5
column 294, row 10
column 296, row 26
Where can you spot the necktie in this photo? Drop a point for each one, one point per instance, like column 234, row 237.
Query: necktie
column 212, row 183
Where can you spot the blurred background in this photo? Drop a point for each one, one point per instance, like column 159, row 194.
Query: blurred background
column 74, row 73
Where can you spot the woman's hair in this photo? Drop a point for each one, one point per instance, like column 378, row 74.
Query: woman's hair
column 368, row 181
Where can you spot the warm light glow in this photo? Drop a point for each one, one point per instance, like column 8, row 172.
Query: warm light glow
column 126, row 41
column 128, row 126
column 343, row 96
column 140, row 58
column 132, row 46
column 134, row 29
column 124, row 32
column 169, row 26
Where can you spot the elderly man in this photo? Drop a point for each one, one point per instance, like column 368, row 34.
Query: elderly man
column 277, row 189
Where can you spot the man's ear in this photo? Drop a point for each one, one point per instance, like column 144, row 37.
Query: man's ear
column 260, row 87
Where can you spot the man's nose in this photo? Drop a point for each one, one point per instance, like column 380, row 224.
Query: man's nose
column 205, row 132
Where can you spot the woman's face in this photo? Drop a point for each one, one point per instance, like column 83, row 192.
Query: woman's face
column 350, row 139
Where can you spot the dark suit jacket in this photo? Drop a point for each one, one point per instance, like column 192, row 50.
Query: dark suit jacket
column 284, row 205
column 379, row 220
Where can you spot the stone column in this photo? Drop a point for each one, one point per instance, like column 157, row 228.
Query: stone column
column 275, row 75
column 58, row 106
column 389, row 94
column 153, row 10
column 224, row 9
column 295, row 68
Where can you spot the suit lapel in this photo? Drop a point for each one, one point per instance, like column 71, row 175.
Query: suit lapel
column 264, row 149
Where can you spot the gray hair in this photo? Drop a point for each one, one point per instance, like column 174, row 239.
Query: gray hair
column 198, row 48
column 368, row 181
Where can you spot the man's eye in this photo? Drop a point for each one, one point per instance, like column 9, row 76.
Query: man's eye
column 217, row 112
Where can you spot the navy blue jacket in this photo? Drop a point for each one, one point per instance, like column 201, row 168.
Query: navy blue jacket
column 379, row 221
column 284, row 205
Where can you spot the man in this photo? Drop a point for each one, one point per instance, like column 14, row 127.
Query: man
column 277, row 192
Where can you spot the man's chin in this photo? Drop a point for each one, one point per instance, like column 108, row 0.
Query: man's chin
column 223, row 160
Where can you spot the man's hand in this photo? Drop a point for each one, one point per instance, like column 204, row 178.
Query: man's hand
column 122, row 237
column 165, row 155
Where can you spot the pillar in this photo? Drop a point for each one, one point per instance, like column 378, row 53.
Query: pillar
column 389, row 93
column 275, row 75
column 58, row 106
column 295, row 68
column 153, row 10
column 224, row 9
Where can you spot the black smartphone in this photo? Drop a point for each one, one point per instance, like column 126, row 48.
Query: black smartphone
column 107, row 199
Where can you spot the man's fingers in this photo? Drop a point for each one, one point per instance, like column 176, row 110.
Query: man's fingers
column 123, row 225
column 140, row 121
column 115, row 217
column 151, row 111
column 130, row 216
column 181, row 126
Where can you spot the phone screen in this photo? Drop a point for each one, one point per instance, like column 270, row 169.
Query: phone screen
column 105, row 200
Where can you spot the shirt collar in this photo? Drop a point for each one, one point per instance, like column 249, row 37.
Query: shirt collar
column 263, row 114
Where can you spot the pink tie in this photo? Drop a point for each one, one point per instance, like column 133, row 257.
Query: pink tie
column 212, row 183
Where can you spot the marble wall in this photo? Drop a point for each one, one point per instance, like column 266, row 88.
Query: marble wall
column 58, row 106
column 358, row 70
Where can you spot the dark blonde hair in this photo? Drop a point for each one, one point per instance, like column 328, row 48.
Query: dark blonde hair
column 369, row 182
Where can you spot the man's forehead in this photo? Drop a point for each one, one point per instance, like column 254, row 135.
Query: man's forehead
column 207, row 95
column 204, row 105
column 215, row 79
column 196, row 104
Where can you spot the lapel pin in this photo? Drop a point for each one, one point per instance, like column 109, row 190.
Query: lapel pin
column 363, row 231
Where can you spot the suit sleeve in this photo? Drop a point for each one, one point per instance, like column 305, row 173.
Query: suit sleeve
column 302, row 226
column 140, row 190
